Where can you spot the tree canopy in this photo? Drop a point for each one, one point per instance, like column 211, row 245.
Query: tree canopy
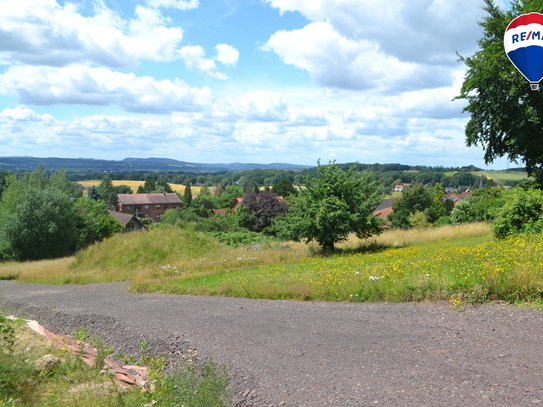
column 331, row 206
column 260, row 210
column 43, row 226
column 506, row 115
column 414, row 199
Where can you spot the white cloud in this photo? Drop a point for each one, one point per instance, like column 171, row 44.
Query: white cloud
column 24, row 114
column 194, row 57
column 260, row 106
column 78, row 84
column 394, row 46
column 415, row 30
column 178, row 4
column 307, row 117
column 227, row 54
column 336, row 61
column 42, row 32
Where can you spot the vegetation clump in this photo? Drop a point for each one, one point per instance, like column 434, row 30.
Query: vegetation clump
column 73, row 383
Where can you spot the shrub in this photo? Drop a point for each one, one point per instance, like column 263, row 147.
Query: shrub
column 443, row 220
column 464, row 212
column 419, row 220
column 224, row 223
column 522, row 212
column 236, row 239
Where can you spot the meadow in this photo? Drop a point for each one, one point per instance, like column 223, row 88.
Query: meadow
column 460, row 263
column 501, row 177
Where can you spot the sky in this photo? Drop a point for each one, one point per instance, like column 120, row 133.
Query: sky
column 252, row 81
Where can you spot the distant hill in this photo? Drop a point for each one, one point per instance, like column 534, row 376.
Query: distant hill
column 130, row 165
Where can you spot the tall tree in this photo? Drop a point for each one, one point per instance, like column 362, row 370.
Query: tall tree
column 59, row 181
column 331, row 206
column 284, row 188
column 93, row 193
column 506, row 115
column 148, row 186
column 187, row 196
column 94, row 223
column 108, row 193
column 414, row 199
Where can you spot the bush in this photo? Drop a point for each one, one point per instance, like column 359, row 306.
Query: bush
column 443, row 220
column 236, row 239
column 522, row 212
column 178, row 216
column 225, row 223
column 464, row 212
column 419, row 220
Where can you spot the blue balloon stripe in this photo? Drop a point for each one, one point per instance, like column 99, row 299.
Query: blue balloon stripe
column 529, row 61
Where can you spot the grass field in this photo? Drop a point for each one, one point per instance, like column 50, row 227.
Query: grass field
column 501, row 177
column 135, row 184
column 462, row 262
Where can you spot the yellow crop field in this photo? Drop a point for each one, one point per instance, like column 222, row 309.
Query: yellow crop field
column 135, row 184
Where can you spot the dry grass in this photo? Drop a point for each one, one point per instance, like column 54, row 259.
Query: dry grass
column 402, row 238
column 54, row 271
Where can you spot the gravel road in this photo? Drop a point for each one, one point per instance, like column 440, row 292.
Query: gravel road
column 283, row 353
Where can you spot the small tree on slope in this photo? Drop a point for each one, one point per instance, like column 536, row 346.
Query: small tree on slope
column 331, row 206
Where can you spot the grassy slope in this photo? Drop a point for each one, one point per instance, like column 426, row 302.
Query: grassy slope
column 435, row 263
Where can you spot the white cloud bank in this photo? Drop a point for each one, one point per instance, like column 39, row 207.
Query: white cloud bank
column 393, row 47
column 178, row 4
column 41, row 32
column 79, row 84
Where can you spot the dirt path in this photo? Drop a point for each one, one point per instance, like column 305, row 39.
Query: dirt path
column 316, row 353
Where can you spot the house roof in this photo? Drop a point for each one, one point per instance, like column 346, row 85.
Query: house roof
column 146, row 199
column 219, row 211
column 237, row 202
column 385, row 203
column 125, row 218
column 458, row 197
column 383, row 213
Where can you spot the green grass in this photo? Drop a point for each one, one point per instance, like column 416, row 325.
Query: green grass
column 427, row 264
column 473, row 268
column 501, row 177
column 73, row 383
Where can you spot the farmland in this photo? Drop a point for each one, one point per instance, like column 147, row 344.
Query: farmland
column 135, row 184
column 502, row 177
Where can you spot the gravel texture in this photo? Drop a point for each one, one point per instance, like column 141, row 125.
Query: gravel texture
column 283, row 353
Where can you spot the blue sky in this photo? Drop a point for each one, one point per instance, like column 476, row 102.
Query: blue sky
column 237, row 80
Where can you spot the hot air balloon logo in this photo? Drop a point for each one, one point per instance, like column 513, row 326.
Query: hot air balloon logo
column 523, row 43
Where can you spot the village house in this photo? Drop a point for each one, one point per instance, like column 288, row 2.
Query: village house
column 129, row 221
column 400, row 187
column 148, row 205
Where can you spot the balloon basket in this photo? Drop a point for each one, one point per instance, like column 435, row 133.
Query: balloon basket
column 534, row 86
